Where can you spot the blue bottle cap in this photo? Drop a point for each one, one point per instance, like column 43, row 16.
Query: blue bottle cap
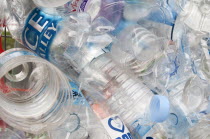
column 159, row 108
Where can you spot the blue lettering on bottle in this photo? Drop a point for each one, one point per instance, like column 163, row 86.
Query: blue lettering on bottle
column 83, row 4
column 129, row 135
column 78, row 97
column 39, row 31
column 125, row 136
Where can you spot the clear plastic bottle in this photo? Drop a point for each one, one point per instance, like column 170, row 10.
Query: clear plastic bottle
column 172, row 70
column 123, row 94
column 81, row 123
column 111, row 122
column 62, row 43
column 109, row 9
column 199, row 10
column 153, row 10
column 33, row 97
column 195, row 95
column 144, row 48
column 193, row 44
column 50, row 3
column 188, row 96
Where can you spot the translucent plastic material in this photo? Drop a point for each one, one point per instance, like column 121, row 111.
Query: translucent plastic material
column 157, row 11
column 32, row 97
column 194, row 94
column 172, row 70
column 205, row 67
column 3, row 14
column 109, row 9
column 152, row 75
column 8, row 134
column 86, row 40
column 201, row 130
column 121, row 93
column 62, row 43
column 112, row 123
column 76, row 127
column 205, row 59
column 199, row 10
column 50, row 3
column 81, row 123
column 137, row 49
column 18, row 10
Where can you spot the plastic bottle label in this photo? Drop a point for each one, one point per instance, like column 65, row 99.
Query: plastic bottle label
column 39, row 31
column 116, row 128
column 76, row 5
column 78, row 97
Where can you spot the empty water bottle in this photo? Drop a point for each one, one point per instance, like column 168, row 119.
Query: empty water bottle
column 62, row 43
column 111, row 122
column 33, row 97
column 124, row 95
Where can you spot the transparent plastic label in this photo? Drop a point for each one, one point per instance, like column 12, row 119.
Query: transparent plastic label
column 78, row 97
column 39, row 31
column 116, row 128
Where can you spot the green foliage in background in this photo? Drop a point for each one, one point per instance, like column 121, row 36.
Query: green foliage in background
column 9, row 41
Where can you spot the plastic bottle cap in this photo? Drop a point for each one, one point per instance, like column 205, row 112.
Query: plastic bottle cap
column 159, row 108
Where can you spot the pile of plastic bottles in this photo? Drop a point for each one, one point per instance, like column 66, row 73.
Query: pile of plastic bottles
column 106, row 69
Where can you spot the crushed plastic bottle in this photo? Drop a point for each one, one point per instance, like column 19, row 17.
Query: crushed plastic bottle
column 144, row 48
column 199, row 10
column 81, row 123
